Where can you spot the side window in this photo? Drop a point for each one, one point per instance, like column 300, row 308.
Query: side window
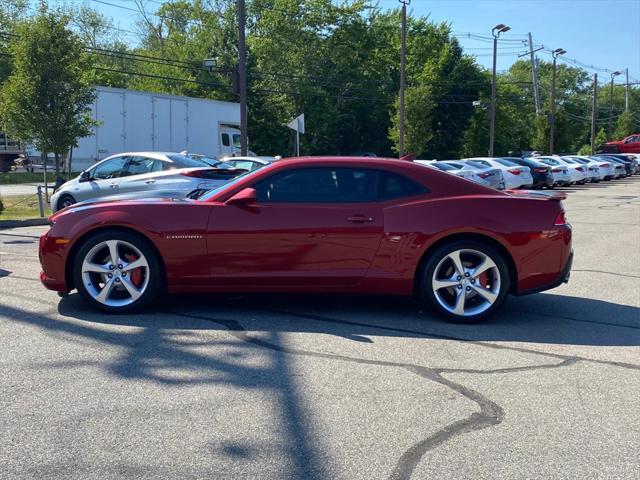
column 140, row 165
column 245, row 164
column 236, row 140
column 482, row 162
column 226, row 141
column 113, row 168
column 391, row 185
column 318, row 185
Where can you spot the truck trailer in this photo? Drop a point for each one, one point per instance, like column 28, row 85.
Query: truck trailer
column 131, row 120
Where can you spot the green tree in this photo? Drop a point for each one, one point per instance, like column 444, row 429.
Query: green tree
column 45, row 101
column 624, row 126
column 601, row 137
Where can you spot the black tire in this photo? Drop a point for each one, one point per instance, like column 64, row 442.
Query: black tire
column 155, row 273
column 66, row 198
column 427, row 295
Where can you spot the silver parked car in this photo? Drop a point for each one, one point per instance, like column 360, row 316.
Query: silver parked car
column 468, row 174
column 142, row 174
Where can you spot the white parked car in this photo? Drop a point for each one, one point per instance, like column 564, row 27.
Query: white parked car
column 515, row 176
column 250, row 163
column 141, row 175
column 577, row 172
column 559, row 171
column 591, row 168
column 462, row 173
column 489, row 177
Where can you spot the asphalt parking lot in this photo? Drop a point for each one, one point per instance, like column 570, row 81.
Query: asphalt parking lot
column 273, row 387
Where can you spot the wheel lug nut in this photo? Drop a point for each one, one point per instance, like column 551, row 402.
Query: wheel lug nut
column 468, row 289
column 466, row 274
column 120, row 266
column 111, row 267
column 124, row 274
column 459, row 277
column 459, row 286
column 473, row 281
column 109, row 275
column 117, row 280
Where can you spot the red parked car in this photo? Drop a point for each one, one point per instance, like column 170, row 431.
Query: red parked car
column 630, row 144
column 317, row 224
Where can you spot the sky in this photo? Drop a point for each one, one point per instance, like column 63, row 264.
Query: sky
column 604, row 34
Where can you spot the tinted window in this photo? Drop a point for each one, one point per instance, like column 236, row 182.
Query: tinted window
column 392, row 185
column 442, row 166
column 318, row 185
column 180, row 161
column 456, row 165
column 479, row 163
column 141, row 165
column 505, row 162
column 225, row 140
column 110, row 169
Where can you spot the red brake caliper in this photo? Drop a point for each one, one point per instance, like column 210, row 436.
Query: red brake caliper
column 136, row 275
column 483, row 279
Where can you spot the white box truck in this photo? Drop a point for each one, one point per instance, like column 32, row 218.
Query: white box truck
column 133, row 120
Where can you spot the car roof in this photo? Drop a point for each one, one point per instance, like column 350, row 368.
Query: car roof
column 155, row 155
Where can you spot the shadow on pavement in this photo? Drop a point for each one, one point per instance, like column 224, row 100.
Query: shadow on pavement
column 541, row 318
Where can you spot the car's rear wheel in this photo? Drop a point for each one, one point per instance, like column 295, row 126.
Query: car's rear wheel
column 117, row 272
column 65, row 201
column 465, row 281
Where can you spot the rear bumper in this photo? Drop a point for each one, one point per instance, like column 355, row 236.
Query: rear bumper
column 563, row 277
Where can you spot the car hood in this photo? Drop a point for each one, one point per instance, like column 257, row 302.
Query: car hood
column 125, row 198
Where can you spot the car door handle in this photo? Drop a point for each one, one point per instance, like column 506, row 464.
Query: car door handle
column 113, row 185
column 359, row 219
column 150, row 181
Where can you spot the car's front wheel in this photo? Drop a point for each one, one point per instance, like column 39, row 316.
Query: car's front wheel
column 117, row 272
column 65, row 201
column 465, row 281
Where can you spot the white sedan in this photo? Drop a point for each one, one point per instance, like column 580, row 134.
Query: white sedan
column 515, row 176
column 140, row 175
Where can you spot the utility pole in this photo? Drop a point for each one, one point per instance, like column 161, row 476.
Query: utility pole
column 534, row 76
column 495, row 31
column 552, row 126
column 593, row 114
column 613, row 75
column 242, row 80
column 403, row 75
column 626, row 90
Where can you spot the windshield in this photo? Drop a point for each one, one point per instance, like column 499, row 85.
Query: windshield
column 505, row 162
column 443, row 166
column 459, row 166
column 477, row 164
column 211, row 161
column 181, row 161
column 210, row 193
column 549, row 161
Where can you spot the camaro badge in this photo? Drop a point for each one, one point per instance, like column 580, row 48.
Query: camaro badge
column 183, row 237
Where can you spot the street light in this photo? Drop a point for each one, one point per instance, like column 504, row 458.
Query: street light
column 495, row 31
column 614, row 74
column 555, row 54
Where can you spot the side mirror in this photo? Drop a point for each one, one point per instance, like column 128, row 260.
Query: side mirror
column 85, row 176
column 246, row 196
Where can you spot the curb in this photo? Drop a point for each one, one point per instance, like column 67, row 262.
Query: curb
column 31, row 222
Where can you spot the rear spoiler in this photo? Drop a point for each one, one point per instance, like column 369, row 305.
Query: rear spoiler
column 548, row 195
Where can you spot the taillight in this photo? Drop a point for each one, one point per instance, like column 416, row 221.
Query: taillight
column 515, row 172
column 557, row 170
column 540, row 170
column 580, row 169
column 560, row 219
column 605, row 165
column 484, row 175
column 194, row 173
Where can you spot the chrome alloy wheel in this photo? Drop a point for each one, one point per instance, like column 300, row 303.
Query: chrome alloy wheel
column 115, row 273
column 466, row 282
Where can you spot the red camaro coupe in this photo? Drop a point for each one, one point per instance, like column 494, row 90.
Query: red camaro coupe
column 317, row 224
